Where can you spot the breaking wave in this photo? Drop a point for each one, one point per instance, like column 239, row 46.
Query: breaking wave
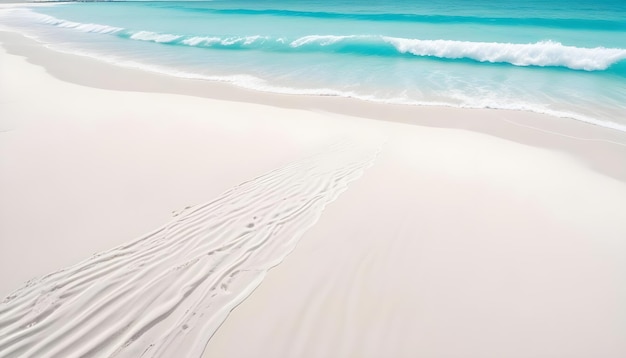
column 96, row 28
column 556, row 57
column 154, row 37
column 542, row 54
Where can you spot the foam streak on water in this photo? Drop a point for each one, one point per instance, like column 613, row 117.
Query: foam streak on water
column 542, row 53
column 564, row 58
column 165, row 294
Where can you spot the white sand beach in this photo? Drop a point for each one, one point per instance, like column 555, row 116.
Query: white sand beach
column 451, row 233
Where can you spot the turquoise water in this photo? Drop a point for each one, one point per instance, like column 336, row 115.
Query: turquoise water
column 565, row 58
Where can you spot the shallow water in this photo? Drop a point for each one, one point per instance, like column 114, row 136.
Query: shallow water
column 565, row 58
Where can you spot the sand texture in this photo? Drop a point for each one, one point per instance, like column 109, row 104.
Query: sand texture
column 147, row 216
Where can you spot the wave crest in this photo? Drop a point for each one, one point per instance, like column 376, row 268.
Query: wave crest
column 323, row 40
column 154, row 36
column 543, row 53
column 96, row 28
column 194, row 41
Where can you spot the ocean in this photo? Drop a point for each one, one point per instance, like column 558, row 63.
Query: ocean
column 563, row 58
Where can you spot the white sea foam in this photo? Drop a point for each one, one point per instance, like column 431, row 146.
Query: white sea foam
column 258, row 84
column 539, row 54
column 323, row 40
column 84, row 27
column 154, row 36
column 244, row 40
column 200, row 40
column 497, row 101
column 251, row 39
column 166, row 294
column 544, row 53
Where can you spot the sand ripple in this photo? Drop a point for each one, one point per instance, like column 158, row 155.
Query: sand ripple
column 165, row 294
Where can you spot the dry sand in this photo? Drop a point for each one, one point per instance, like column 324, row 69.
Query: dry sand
column 475, row 233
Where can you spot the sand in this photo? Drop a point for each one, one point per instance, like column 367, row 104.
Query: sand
column 456, row 233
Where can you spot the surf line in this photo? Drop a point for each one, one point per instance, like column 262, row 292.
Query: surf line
column 166, row 293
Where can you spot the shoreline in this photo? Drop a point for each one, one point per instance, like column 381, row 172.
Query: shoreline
column 541, row 107
column 468, row 225
column 519, row 126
